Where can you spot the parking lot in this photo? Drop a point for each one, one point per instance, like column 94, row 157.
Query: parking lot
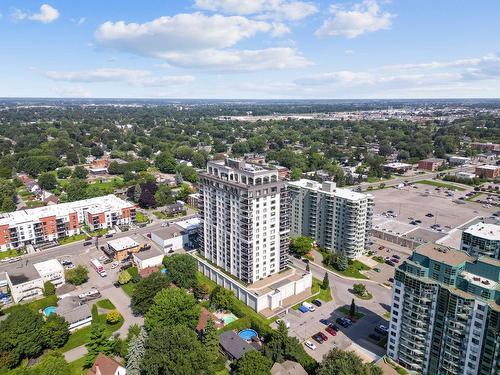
column 305, row 325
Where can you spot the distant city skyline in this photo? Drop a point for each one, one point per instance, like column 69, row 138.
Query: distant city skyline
column 243, row 49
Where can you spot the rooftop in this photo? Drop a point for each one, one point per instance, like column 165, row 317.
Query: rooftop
column 444, row 254
column 488, row 167
column 288, row 368
column 397, row 165
column 104, row 365
column 20, row 275
column 329, row 188
column 49, row 266
column 148, row 254
column 433, row 160
column 234, row 344
column 171, row 231
column 98, row 204
column 72, row 310
column 189, row 224
column 486, row 231
column 121, row 244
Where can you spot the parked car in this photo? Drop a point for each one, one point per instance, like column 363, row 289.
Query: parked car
column 381, row 329
column 114, row 265
column 87, row 243
column 323, row 336
column 391, row 279
column 326, row 322
column 318, row 338
column 375, row 337
column 396, row 256
column 109, row 235
column 390, row 263
column 429, row 215
column 303, row 309
column 316, row 302
column 331, row 331
column 66, row 262
column 107, row 260
column 376, row 269
column 344, row 322
column 310, row 345
column 394, row 260
column 335, row 327
column 308, row 306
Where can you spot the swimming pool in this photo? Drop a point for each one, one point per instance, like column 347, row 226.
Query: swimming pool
column 229, row 319
column 247, row 334
column 49, row 310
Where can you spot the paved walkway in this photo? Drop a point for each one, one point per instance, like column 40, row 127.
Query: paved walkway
column 122, row 304
column 76, row 353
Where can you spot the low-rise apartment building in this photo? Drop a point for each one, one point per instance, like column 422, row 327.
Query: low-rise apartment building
column 445, row 313
column 488, row 171
column 482, row 239
column 431, row 164
column 27, row 282
column 337, row 219
column 50, row 223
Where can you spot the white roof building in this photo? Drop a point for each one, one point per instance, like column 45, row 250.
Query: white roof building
column 121, row 244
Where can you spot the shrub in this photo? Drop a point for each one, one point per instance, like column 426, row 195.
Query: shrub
column 49, row 289
column 113, row 317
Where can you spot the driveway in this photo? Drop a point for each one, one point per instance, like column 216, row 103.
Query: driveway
column 122, row 304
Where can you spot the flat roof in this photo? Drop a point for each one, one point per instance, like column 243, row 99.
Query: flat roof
column 486, row 231
column 488, row 167
column 444, row 254
column 49, row 266
column 337, row 192
column 166, row 233
column 97, row 204
column 123, row 243
column 433, row 160
column 23, row 274
column 148, row 254
column 397, row 165
column 189, row 224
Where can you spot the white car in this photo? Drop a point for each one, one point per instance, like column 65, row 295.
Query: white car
column 114, row 265
column 310, row 345
column 102, row 258
column 69, row 266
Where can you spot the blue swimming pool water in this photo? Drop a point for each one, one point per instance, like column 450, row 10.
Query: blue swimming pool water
column 49, row 310
column 229, row 319
column 247, row 334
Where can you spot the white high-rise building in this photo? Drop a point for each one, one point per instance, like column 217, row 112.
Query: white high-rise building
column 337, row 219
column 244, row 214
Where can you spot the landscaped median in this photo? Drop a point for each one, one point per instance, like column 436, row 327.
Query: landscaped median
column 440, row 184
column 343, row 266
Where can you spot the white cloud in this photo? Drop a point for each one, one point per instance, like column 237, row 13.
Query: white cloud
column 239, row 60
column 47, row 14
column 363, row 18
column 278, row 9
column 72, row 92
column 200, row 41
column 348, row 51
column 131, row 76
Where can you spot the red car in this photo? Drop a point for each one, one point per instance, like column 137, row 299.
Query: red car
column 323, row 336
column 331, row 331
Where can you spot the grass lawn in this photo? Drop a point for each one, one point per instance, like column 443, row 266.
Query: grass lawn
column 140, row 218
column 159, row 215
column 324, row 295
column 81, row 336
column 8, row 254
column 70, row 239
column 379, row 259
column 128, row 288
column 34, row 204
column 353, row 270
column 345, row 310
column 440, row 184
column 105, row 304
column 76, row 367
column 222, row 372
column 36, row 305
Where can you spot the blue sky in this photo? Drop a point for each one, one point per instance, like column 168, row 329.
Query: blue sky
column 250, row 48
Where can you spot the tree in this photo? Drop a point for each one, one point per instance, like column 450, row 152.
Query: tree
column 76, row 189
column 210, row 341
column 145, row 151
column 77, row 275
column 340, row 262
column 188, row 173
column 124, row 277
column 137, row 192
column 21, row 333
column 221, row 299
column 200, row 291
column 146, row 289
column 48, row 289
column 113, row 317
column 47, row 181
column 136, row 349
column 295, row 174
column 55, row 331
column 163, row 196
column 174, row 350
column 301, row 245
column 352, row 309
column 98, row 343
column 63, row 172
column 165, row 163
column 360, row 290
column 253, row 363
column 79, row 172
column 308, row 267
column 183, row 193
column 172, row 306
column 346, row 362
column 96, row 151
column 182, row 268
column 52, row 363
column 326, row 281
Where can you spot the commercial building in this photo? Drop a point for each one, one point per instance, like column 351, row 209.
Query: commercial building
column 445, row 314
column 338, row 219
column 176, row 236
column 121, row 248
column 458, row 160
column 431, row 164
column 465, row 175
column 27, row 282
column 482, row 239
column 244, row 219
column 488, row 171
column 148, row 258
column 398, row 168
column 46, row 224
column 485, row 147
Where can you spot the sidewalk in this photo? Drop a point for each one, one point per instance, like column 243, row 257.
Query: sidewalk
column 76, row 353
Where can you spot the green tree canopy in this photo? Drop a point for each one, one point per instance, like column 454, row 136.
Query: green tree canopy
column 47, row 181
column 172, row 306
column 182, row 269
column 77, row 275
column 55, row 331
column 253, row 363
column 301, row 245
column 146, row 289
column 221, row 299
column 346, row 362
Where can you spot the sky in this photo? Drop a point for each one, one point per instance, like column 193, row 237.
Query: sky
column 250, row 49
